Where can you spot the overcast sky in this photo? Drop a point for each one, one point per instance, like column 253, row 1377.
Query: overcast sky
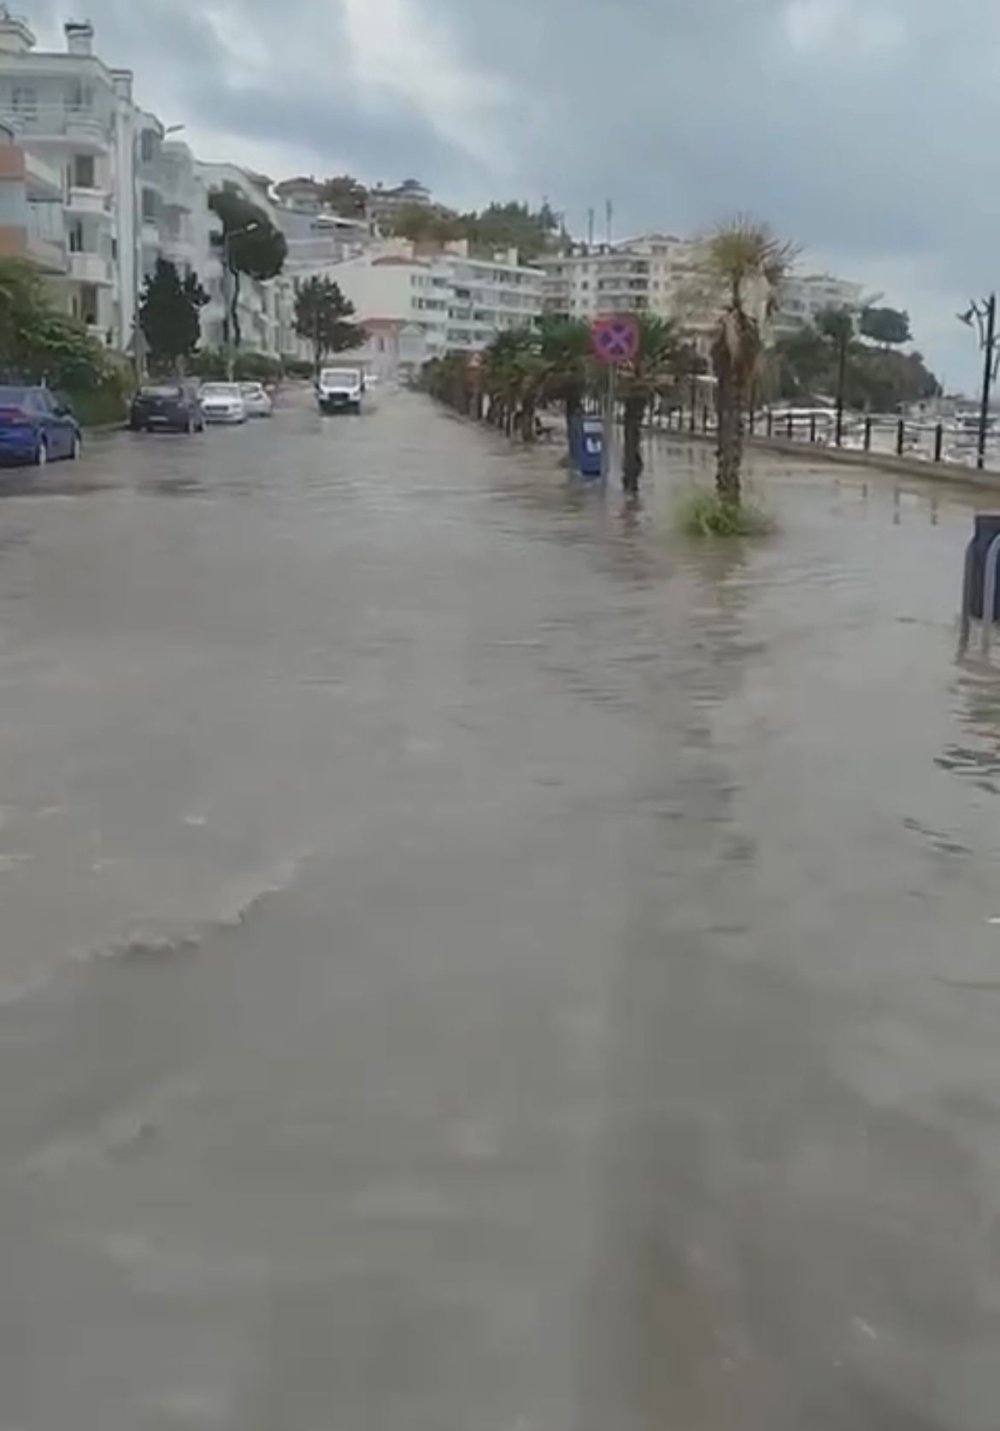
column 866, row 130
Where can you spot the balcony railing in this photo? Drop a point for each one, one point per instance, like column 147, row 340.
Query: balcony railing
column 90, row 268
column 84, row 200
column 59, row 121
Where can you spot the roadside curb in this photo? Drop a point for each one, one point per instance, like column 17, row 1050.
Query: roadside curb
column 877, row 461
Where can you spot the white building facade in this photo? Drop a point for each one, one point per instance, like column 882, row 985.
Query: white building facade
column 68, row 109
column 660, row 274
column 804, row 296
column 419, row 304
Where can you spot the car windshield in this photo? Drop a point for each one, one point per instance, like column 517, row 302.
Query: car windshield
column 15, row 397
column 228, row 390
column 165, row 391
column 251, row 390
column 340, row 377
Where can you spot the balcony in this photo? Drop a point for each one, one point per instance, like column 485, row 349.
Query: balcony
column 176, row 198
column 149, row 233
column 91, row 203
column 61, row 126
column 41, row 179
column 90, row 268
column 45, row 253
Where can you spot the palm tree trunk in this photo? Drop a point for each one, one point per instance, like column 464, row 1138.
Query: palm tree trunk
column 574, row 403
column 632, row 444
column 731, row 398
column 528, row 421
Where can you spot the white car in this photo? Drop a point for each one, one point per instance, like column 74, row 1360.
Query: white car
column 222, row 402
column 256, row 400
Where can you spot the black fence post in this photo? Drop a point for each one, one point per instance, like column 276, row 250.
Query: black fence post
column 868, row 434
column 704, row 417
column 751, row 417
column 938, row 441
column 812, row 427
column 900, row 436
column 790, row 427
column 770, row 422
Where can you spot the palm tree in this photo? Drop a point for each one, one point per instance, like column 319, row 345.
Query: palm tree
column 513, row 374
column 565, row 352
column 654, row 370
column 747, row 263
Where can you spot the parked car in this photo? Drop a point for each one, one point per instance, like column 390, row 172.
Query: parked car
column 256, row 401
column 222, row 402
column 172, row 407
column 36, row 426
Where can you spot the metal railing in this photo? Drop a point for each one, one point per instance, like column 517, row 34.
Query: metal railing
column 41, row 120
column 954, row 441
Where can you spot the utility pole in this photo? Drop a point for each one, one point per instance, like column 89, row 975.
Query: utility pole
column 609, row 210
column 841, row 382
column 590, row 229
column 984, row 315
column 227, row 306
column 989, row 369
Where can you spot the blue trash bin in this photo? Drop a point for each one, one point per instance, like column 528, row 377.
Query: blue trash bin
column 987, row 527
column 586, row 445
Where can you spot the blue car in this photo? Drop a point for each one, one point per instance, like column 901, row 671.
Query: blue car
column 36, row 427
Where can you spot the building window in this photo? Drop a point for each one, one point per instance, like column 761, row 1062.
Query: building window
column 148, row 206
column 88, row 302
column 147, row 146
column 25, row 100
column 83, row 171
column 76, row 237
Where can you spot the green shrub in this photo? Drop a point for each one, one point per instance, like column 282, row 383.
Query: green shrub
column 703, row 513
column 104, row 403
column 212, row 364
column 256, row 367
column 297, row 367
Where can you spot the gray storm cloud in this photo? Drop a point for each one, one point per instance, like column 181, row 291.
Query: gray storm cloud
column 866, row 132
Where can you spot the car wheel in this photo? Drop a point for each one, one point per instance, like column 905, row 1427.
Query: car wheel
column 189, row 426
column 41, row 454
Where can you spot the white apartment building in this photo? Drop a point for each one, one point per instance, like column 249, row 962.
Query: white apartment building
column 805, row 295
column 419, row 304
column 659, row 273
column 69, row 110
column 653, row 274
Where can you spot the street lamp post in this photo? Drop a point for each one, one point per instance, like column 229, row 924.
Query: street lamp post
column 227, row 238
column 984, row 315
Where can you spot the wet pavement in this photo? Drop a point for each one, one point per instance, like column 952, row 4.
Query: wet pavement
column 473, row 959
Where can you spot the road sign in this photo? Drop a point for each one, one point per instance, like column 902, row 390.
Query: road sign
column 615, row 340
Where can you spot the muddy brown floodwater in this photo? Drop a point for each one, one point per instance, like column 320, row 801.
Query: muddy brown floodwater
column 475, row 961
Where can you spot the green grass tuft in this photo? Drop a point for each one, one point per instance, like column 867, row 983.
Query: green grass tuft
column 702, row 513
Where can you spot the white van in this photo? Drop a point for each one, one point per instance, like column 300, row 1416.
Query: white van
column 340, row 389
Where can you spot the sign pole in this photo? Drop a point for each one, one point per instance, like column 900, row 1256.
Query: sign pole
column 609, row 421
column 615, row 340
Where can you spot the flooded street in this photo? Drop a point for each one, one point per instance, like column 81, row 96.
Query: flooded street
column 473, row 960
